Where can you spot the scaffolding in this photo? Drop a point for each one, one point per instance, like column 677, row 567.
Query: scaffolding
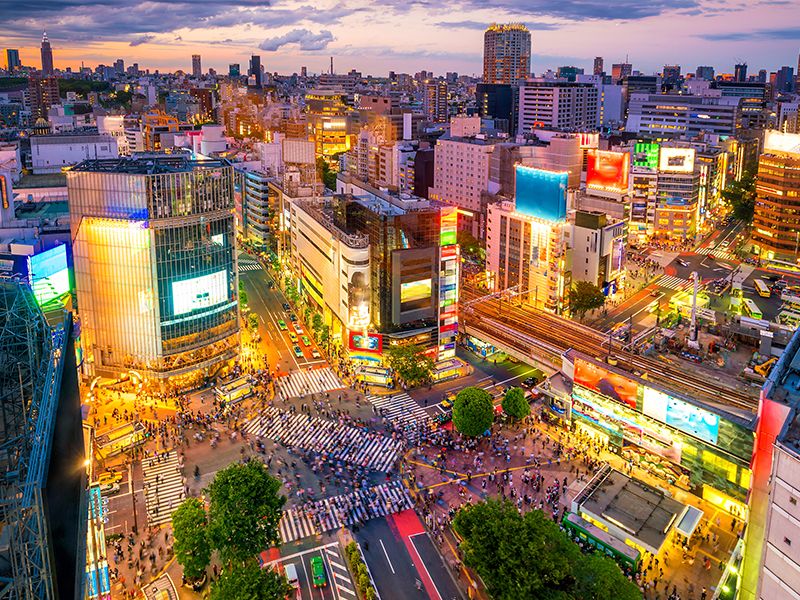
column 31, row 366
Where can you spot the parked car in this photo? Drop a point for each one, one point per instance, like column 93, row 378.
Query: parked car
column 306, row 341
column 298, row 352
column 315, row 353
column 318, row 575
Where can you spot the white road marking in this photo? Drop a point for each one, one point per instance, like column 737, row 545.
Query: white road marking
column 386, row 554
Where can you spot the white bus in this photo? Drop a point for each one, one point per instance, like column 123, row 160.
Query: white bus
column 235, row 390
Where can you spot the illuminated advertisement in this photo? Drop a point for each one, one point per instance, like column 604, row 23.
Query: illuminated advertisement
column 607, row 170
column 777, row 141
column 541, row 194
column 416, row 290
column 366, row 342
column 49, row 274
column 589, row 140
column 199, row 292
column 448, row 234
column 606, row 383
column 449, row 260
column 645, row 154
column 218, row 239
column 3, row 191
column 676, row 160
column 681, row 415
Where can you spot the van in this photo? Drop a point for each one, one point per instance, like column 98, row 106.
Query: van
column 291, row 575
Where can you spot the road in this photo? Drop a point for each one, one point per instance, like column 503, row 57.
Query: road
column 338, row 585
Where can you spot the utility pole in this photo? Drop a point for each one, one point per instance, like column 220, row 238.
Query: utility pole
column 693, row 342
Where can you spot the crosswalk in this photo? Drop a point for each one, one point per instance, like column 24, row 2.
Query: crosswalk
column 248, row 266
column 328, row 514
column 311, row 381
column 403, row 409
column 338, row 442
column 340, row 576
column 717, row 253
column 163, row 487
column 673, row 282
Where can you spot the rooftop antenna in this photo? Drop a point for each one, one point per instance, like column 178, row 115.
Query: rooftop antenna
column 331, row 65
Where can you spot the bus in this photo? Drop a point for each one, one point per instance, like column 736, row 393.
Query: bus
column 761, row 288
column 790, row 318
column 582, row 530
column 750, row 309
column 234, row 390
column 119, row 439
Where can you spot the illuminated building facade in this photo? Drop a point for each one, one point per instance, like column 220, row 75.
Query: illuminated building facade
column 776, row 220
column 506, row 53
column 328, row 123
column 155, row 266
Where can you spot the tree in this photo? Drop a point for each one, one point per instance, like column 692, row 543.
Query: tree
column 189, row 527
column 316, row 322
column 585, row 296
column 325, row 335
column 252, row 320
column 741, row 195
column 243, row 582
column 473, row 411
column 244, row 511
column 515, row 404
column 598, row 577
column 470, row 245
column 410, row 363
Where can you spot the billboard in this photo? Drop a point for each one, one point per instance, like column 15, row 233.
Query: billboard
column 676, row 160
column 366, row 342
column 189, row 295
column 48, row 274
column 416, row 290
column 681, row 415
column 541, row 194
column 777, row 141
column 645, row 154
column 606, row 170
column 448, row 230
column 607, row 383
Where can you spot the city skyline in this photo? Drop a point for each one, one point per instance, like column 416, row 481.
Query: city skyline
column 290, row 35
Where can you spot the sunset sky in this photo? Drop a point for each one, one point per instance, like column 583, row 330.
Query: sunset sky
column 405, row 36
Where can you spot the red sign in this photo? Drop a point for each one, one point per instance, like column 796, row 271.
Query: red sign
column 606, row 382
column 607, row 170
column 361, row 341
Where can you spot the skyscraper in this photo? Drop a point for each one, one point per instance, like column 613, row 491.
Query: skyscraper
column 705, row 72
column 12, row 59
column 506, row 53
column 740, row 72
column 598, row 65
column 435, row 101
column 234, row 70
column 119, row 66
column 197, row 69
column 47, row 56
column 671, row 75
column 41, row 94
column 255, row 69
column 784, row 80
column 621, row 70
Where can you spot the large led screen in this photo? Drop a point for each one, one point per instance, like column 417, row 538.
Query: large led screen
column 645, row 154
column 369, row 342
column 676, row 160
column 606, row 383
column 193, row 294
column 607, row 170
column 541, row 194
column 415, row 290
column 681, row 415
column 49, row 274
column 777, row 141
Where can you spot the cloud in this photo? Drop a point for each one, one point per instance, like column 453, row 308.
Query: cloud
column 779, row 33
column 142, row 39
column 307, row 40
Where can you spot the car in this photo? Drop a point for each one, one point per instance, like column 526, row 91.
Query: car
column 109, row 489
column 107, row 477
column 446, row 403
column 291, row 576
column 293, row 336
column 315, row 353
column 530, row 382
column 318, row 576
column 306, row 341
column 270, row 284
column 298, row 328
column 286, row 307
column 682, row 263
column 298, row 352
column 293, row 317
column 282, row 325
column 655, row 293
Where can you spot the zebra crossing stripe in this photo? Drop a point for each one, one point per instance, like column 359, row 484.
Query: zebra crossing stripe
column 313, row 381
column 243, row 267
column 672, row 282
column 164, row 487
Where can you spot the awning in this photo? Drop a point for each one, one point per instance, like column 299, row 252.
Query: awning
column 689, row 521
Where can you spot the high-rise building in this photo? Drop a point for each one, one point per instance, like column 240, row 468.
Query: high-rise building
column 682, row 115
column 506, row 53
column 498, row 101
column 568, row 72
column 740, row 72
column 621, row 71
column 784, row 80
column 255, row 70
column 671, row 75
column 776, row 222
column 234, row 70
column 155, row 266
column 705, row 72
column 762, row 76
column 41, row 94
column 303, row 71
column 435, row 101
column 557, row 105
column 47, row 56
column 197, row 69
column 12, row 59
column 598, row 65
column 119, row 66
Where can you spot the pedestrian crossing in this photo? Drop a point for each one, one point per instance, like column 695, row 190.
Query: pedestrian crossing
column 673, row 283
column 310, row 381
column 325, row 515
column 340, row 576
column 717, row 253
column 337, row 442
column 401, row 408
column 249, row 266
column 163, row 487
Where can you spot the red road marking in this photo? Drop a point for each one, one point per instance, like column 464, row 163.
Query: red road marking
column 268, row 556
column 408, row 525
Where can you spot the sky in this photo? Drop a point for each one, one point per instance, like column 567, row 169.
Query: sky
column 404, row 35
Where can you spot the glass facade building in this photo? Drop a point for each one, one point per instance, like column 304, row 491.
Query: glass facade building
column 155, row 266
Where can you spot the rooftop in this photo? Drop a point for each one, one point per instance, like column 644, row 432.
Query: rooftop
column 150, row 164
column 41, row 181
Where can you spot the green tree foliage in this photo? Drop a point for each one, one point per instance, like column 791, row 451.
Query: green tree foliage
column 247, row 581
column 530, row 557
column 473, row 412
column 411, row 364
column 585, row 296
column 515, row 404
column 189, row 527
column 82, row 87
column 324, row 334
column 316, row 322
column 252, row 320
column 741, row 195
column 326, row 174
column 243, row 298
column 245, row 508
column 470, row 245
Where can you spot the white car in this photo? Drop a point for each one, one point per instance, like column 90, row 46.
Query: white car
column 109, row 489
column 315, row 353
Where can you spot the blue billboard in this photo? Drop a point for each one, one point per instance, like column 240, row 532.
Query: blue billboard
column 49, row 274
column 541, row 194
